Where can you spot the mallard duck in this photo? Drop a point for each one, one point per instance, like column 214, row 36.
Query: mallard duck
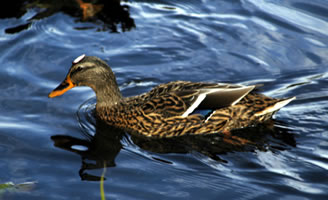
column 173, row 109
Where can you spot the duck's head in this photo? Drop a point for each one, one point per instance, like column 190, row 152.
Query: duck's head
column 89, row 71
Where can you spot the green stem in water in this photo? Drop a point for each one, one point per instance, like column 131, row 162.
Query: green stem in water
column 102, row 191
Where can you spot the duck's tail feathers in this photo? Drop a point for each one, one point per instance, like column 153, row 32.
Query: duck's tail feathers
column 274, row 108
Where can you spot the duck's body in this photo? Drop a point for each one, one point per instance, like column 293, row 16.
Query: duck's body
column 173, row 109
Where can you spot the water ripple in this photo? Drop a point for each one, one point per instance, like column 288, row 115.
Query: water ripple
column 278, row 43
column 292, row 16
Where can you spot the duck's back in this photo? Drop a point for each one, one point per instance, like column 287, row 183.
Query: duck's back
column 172, row 109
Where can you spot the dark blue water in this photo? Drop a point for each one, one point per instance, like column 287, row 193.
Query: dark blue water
column 56, row 147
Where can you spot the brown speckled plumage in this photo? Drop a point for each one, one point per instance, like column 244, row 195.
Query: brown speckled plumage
column 169, row 109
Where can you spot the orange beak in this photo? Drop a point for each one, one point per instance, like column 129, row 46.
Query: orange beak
column 62, row 88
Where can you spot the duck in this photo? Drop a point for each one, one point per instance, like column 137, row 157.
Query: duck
column 171, row 109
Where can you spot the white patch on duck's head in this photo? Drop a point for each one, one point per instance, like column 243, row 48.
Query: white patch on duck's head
column 78, row 59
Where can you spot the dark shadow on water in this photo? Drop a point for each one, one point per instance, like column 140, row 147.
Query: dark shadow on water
column 106, row 144
column 111, row 13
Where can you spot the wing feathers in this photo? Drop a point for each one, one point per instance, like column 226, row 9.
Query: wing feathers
column 199, row 99
column 220, row 98
column 214, row 98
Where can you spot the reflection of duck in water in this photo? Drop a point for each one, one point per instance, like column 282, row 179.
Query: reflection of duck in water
column 103, row 148
column 108, row 141
column 173, row 109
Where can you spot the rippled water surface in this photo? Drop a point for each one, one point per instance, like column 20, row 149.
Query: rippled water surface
column 53, row 146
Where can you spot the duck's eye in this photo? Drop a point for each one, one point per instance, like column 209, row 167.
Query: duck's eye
column 79, row 68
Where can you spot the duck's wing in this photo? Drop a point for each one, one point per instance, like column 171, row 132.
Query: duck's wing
column 215, row 98
column 173, row 87
column 176, row 86
column 184, row 102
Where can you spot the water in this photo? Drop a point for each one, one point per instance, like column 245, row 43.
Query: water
column 56, row 147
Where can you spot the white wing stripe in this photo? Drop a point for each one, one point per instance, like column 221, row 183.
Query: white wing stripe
column 199, row 100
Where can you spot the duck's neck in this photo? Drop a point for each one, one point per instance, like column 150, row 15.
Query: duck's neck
column 108, row 94
column 108, row 97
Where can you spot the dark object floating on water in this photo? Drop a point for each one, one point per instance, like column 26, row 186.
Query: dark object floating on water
column 18, row 29
column 170, row 109
column 110, row 12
